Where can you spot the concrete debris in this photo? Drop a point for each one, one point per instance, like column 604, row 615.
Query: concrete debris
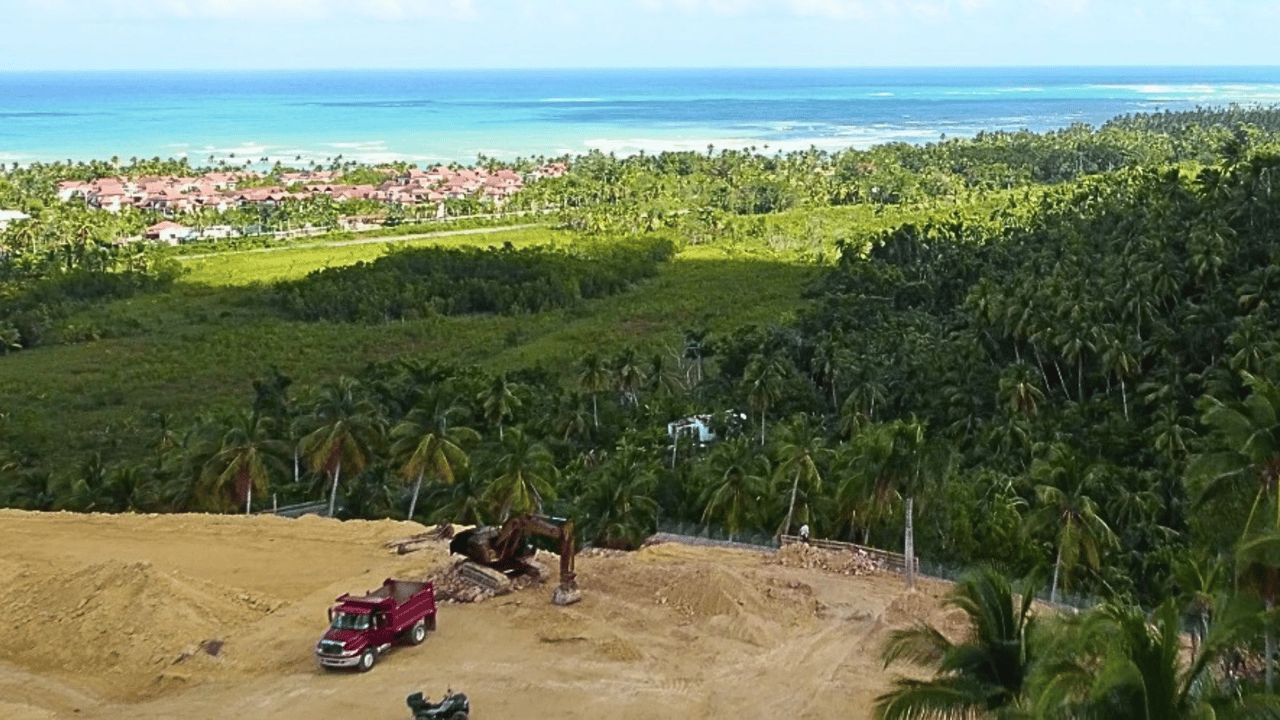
column 809, row 557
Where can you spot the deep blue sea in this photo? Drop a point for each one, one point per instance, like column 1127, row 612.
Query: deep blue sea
column 425, row 116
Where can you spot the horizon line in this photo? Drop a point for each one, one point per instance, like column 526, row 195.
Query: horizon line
column 645, row 68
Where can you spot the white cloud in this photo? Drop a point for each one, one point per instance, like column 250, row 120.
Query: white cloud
column 936, row 10
column 1070, row 7
column 235, row 10
column 718, row 8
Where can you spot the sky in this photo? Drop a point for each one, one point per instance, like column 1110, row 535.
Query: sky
column 278, row 34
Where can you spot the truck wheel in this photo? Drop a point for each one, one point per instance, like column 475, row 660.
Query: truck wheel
column 418, row 632
column 431, row 622
column 367, row 659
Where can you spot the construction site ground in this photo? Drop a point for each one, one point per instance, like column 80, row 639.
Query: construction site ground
column 205, row 616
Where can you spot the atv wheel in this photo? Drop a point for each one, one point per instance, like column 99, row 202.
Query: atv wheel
column 418, row 632
column 460, row 715
column 367, row 659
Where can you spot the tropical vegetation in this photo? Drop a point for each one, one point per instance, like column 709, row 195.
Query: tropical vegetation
column 1052, row 355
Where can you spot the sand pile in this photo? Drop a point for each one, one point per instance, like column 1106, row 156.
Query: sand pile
column 120, row 621
column 727, row 600
column 810, row 557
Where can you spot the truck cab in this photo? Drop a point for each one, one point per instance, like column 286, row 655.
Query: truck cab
column 363, row 627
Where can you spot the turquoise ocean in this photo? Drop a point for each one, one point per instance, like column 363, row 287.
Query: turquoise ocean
column 456, row 115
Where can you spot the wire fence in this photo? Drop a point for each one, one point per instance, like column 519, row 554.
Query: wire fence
column 699, row 534
column 715, row 535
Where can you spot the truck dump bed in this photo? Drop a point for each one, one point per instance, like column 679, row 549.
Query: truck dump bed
column 398, row 590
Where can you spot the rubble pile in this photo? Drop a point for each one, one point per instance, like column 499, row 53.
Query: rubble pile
column 600, row 552
column 810, row 557
column 453, row 586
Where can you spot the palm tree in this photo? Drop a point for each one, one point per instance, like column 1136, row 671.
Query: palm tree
column 426, row 444
column 739, row 481
column 593, row 379
column 1068, row 511
column 346, row 427
column 629, row 375
column 763, row 378
column 799, row 453
column 1121, row 663
column 896, row 460
column 617, row 503
column 695, row 349
column 1249, row 434
column 570, row 419
column 249, row 452
column 525, row 469
column 499, row 402
column 1257, row 561
column 1200, row 580
column 984, row 675
column 462, row 502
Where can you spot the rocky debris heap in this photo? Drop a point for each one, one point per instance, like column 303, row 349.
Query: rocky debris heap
column 809, row 557
column 452, row 586
column 600, row 552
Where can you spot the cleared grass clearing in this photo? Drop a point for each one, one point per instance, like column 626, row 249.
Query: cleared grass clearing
column 252, row 267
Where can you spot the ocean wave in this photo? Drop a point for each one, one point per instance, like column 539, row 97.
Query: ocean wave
column 365, row 145
column 571, row 100
column 1152, row 89
column 37, row 113
column 992, row 92
column 244, row 149
column 368, row 103
column 832, row 139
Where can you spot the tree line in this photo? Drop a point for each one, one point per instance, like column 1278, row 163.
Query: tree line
column 421, row 282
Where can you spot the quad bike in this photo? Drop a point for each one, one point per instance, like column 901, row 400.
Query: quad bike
column 453, row 706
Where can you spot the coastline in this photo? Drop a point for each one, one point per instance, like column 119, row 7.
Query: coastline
column 301, row 117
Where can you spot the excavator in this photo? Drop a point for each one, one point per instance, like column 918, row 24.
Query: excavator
column 494, row 554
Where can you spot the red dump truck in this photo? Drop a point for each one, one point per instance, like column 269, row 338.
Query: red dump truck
column 362, row 627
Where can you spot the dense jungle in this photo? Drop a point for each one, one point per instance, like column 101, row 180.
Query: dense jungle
column 1042, row 356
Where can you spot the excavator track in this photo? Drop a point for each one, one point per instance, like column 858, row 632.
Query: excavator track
column 484, row 577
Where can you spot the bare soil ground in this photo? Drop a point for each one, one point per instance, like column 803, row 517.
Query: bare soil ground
column 112, row 616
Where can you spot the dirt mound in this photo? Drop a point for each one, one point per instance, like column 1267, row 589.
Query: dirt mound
column 909, row 608
column 115, row 620
column 811, row 557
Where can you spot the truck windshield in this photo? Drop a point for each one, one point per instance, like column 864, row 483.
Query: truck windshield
column 350, row 621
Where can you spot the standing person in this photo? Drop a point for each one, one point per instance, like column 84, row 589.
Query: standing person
column 804, row 533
